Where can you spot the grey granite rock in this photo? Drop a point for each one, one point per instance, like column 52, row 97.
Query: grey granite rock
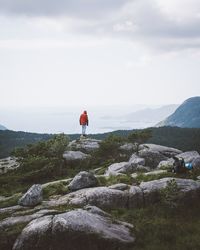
column 75, row 156
column 75, row 230
column 32, row 197
column 83, row 180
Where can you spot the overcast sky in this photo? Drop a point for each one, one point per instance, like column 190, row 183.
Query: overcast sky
column 98, row 52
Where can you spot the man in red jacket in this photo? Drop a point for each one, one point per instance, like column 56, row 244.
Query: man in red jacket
column 84, row 122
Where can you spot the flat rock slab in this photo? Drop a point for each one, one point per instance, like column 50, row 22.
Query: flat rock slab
column 167, row 151
column 14, row 220
column 75, row 156
column 86, row 145
column 76, row 230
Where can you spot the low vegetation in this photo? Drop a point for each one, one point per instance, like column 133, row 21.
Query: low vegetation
column 160, row 227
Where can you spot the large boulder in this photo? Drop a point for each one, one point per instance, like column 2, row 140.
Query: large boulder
column 85, row 145
column 119, row 168
column 103, row 197
column 189, row 156
column 71, row 156
column 196, row 163
column 135, row 160
column 32, row 197
column 187, row 189
column 83, row 180
column 166, row 151
column 167, row 164
column 152, row 157
column 80, row 229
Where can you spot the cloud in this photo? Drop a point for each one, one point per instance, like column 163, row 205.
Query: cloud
column 157, row 24
column 77, row 8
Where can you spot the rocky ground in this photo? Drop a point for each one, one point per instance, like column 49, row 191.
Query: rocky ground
column 82, row 215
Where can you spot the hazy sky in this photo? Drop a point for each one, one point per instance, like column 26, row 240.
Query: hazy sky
column 98, row 52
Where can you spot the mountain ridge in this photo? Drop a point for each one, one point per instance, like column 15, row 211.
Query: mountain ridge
column 187, row 115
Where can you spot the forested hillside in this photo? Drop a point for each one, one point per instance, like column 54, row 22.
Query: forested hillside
column 181, row 138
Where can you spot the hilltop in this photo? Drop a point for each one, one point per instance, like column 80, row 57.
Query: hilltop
column 107, row 194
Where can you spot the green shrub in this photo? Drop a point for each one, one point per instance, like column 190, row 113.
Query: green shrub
column 169, row 195
column 139, row 136
column 54, row 189
column 109, row 147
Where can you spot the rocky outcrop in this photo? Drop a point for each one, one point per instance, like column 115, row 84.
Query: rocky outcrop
column 189, row 156
column 166, row 164
column 118, row 168
column 166, row 151
column 76, row 230
column 135, row 160
column 8, row 164
column 83, row 180
column 196, row 163
column 14, row 220
column 126, row 167
column 32, row 197
column 187, row 189
column 152, row 157
column 85, row 145
column 71, row 156
column 103, row 197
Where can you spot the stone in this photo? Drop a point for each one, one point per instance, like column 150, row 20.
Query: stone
column 152, row 157
column 8, row 164
column 119, row 186
column 189, row 156
column 166, row 151
column 32, row 197
column 76, row 230
column 188, row 189
column 75, row 156
column 102, row 197
column 83, row 180
column 135, row 160
column 156, row 172
column 166, row 164
column 86, row 145
column 121, row 167
column 196, row 163
column 14, row 220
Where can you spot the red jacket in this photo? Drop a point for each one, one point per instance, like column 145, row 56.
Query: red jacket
column 84, row 119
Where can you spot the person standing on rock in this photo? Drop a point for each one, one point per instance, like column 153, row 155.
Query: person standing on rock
column 84, row 122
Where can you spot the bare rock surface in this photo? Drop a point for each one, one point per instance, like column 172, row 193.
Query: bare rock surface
column 83, row 180
column 32, row 197
column 75, row 156
column 79, row 229
column 86, row 145
column 8, row 164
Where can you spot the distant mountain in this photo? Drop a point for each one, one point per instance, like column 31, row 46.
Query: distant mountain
column 151, row 115
column 2, row 127
column 187, row 115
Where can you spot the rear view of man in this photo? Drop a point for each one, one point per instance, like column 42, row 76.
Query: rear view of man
column 84, row 122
